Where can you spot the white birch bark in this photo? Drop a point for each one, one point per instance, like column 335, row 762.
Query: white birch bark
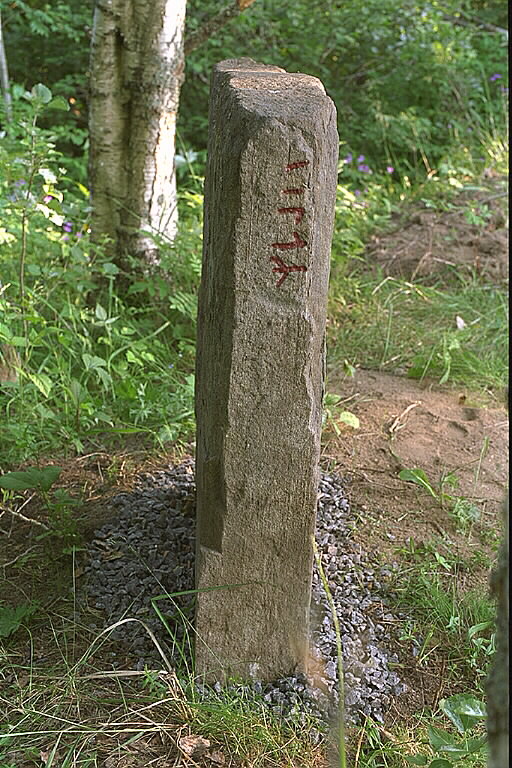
column 136, row 71
column 4, row 77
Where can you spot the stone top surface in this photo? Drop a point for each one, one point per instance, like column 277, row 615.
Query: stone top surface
column 251, row 77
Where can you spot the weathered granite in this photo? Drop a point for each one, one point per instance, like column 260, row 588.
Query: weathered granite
column 269, row 209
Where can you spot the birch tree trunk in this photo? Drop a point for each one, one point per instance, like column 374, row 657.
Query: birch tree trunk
column 498, row 680
column 4, row 77
column 136, row 71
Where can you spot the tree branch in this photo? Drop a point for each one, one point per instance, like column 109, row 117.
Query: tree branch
column 213, row 24
column 465, row 20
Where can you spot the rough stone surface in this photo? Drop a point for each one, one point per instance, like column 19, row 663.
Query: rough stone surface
column 269, row 207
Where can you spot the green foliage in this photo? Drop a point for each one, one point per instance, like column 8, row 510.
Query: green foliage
column 333, row 413
column 463, row 624
column 40, row 479
column 85, row 369
column 49, row 42
column 392, row 323
column 12, row 618
column 59, row 504
column 465, row 712
column 464, row 512
column 394, row 70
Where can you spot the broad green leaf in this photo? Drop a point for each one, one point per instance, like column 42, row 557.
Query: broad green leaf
column 30, row 478
column 49, row 475
column 17, row 481
column 417, row 759
column 92, row 362
column 476, row 628
column 477, row 745
column 41, row 381
column 419, row 477
column 349, row 418
column 59, row 102
column 133, row 358
column 76, row 391
column 439, row 738
column 41, row 93
column 18, row 341
column 440, row 762
column 110, row 269
column 101, row 313
column 11, row 618
column 456, row 752
column 105, row 377
column 463, row 710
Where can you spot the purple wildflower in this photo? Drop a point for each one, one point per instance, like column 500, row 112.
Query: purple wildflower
column 389, row 168
column 47, row 198
column 19, row 183
column 65, row 237
column 360, row 159
column 348, row 158
column 357, row 192
column 495, row 77
column 364, row 168
column 67, row 226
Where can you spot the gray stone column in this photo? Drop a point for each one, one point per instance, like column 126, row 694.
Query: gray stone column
column 269, row 207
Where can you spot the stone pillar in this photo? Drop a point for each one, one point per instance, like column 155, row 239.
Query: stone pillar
column 269, row 207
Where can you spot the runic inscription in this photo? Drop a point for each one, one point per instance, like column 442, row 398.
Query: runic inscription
column 297, row 241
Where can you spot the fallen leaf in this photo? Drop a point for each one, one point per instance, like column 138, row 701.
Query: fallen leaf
column 193, row 746
column 217, row 757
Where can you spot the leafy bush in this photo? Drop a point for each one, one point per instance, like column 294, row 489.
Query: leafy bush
column 394, row 70
column 86, row 363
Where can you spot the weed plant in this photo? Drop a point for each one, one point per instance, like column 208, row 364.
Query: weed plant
column 463, row 624
column 84, row 362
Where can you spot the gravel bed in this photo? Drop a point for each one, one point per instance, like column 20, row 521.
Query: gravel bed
column 148, row 550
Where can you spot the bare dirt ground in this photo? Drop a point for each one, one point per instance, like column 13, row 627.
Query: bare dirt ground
column 408, row 425
column 470, row 235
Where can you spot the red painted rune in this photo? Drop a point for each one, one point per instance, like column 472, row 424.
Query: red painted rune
column 298, row 213
column 299, row 164
column 285, row 269
column 298, row 242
